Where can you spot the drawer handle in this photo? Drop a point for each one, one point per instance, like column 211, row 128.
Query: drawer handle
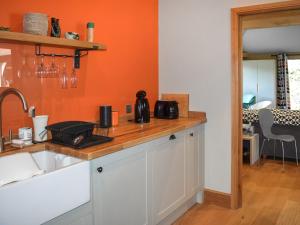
column 100, row 169
column 172, row 137
column 192, row 134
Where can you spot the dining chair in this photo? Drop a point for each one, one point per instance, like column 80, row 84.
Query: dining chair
column 266, row 121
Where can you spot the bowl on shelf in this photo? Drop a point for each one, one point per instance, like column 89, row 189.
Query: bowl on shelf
column 72, row 35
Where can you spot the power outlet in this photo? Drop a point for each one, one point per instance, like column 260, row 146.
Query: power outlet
column 128, row 108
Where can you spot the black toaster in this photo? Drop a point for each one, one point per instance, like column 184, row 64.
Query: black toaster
column 166, row 109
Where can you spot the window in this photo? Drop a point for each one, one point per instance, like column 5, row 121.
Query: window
column 294, row 79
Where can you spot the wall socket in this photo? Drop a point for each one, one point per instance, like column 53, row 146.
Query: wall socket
column 128, row 108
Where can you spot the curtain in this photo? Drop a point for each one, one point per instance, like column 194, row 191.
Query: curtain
column 283, row 89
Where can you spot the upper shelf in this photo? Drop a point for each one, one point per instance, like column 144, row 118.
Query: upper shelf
column 49, row 41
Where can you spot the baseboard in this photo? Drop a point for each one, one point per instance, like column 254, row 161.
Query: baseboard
column 217, row 198
column 170, row 219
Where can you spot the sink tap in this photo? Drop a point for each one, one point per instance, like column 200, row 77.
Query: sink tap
column 3, row 94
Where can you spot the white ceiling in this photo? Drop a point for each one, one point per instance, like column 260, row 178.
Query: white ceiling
column 272, row 40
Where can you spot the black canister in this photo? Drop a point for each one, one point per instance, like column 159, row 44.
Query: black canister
column 141, row 108
column 105, row 116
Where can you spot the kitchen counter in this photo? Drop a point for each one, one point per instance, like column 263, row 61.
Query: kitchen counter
column 126, row 134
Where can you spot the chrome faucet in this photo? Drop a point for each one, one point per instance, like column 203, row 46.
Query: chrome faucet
column 3, row 94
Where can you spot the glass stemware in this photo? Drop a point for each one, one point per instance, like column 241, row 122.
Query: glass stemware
column 53, row 68
column 41, row 69
column 64, row 77
column 73, row 79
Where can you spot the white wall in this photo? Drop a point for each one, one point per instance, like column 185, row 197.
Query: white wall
column 194, row 57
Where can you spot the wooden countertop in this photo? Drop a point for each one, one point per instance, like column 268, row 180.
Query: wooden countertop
column 126, row 134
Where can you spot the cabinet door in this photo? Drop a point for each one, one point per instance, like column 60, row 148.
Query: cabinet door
column 119, row 188
column 266, row 80
column 168, row 175
column 192, row 162
column 259, row 79
column 201, row 154
column 250, row 77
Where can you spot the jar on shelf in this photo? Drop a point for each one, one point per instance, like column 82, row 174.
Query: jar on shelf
column 90, row 31
column 35, row 23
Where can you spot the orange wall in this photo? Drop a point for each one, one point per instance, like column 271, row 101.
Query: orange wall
column 128, row 28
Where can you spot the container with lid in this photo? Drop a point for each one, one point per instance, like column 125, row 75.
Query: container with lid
column 90, row 31
column 35, row 23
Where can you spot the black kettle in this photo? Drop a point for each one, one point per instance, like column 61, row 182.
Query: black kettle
column 141, row 108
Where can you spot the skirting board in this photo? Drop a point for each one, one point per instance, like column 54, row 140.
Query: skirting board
column 217, row 198
column 179, row 212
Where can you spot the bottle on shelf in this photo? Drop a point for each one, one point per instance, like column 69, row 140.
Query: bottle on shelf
column 90, row 31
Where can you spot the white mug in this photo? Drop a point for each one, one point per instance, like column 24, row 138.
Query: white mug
column 25, row 133
column 39, row 124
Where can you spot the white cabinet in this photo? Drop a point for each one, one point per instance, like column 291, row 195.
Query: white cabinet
column 259, row 79
column 167, row 164
column 201, row 150
column 120, row 188
column 192, row 157
column 176, row 171
column 83, row 215
column 145, row 184
column 195, row 160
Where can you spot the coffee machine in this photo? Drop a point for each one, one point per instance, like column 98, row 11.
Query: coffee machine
column 141, row 108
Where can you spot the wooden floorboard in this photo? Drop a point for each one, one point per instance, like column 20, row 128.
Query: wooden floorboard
column 290, row 214
column 270, row 197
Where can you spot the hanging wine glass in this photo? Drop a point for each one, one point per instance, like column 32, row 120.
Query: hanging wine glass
column 64, row 76
column 41, row 69
column 53, row 68
column 73, row 79
column 26, row 69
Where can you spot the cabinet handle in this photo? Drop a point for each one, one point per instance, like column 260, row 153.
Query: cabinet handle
column 172, row 137
column 192, row 134
column 100, row 169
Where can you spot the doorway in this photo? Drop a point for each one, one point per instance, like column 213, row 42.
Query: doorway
column 237, row 15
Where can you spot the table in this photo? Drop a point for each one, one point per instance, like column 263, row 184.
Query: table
column 254, row 147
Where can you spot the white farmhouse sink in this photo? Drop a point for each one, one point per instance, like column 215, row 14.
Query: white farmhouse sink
column 64, row 186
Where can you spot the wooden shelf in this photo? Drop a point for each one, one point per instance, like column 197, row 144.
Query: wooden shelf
column 24, row 38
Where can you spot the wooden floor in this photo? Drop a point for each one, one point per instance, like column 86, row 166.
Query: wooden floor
column 270, row 196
